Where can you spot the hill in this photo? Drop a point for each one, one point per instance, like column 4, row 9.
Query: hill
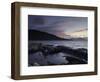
column 39, row 35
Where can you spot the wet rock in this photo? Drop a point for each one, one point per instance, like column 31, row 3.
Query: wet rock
column 56, row 55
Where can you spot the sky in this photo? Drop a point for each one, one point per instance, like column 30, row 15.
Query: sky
column 61, row 26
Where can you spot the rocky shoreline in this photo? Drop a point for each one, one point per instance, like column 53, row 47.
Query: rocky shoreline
column 43, row 55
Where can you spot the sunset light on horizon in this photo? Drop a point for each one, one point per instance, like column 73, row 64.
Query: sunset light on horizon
column 76, row 34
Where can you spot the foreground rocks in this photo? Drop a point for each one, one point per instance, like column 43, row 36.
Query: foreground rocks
column 41, row 55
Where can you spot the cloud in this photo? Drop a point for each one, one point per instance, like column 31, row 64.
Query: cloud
column 57, row 25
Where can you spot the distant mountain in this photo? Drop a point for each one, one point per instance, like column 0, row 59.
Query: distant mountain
column 39, row 35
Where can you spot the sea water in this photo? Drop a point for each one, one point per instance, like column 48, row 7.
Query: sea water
column 73, row 44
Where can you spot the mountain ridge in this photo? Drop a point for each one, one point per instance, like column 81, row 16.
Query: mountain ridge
column 40, row 35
